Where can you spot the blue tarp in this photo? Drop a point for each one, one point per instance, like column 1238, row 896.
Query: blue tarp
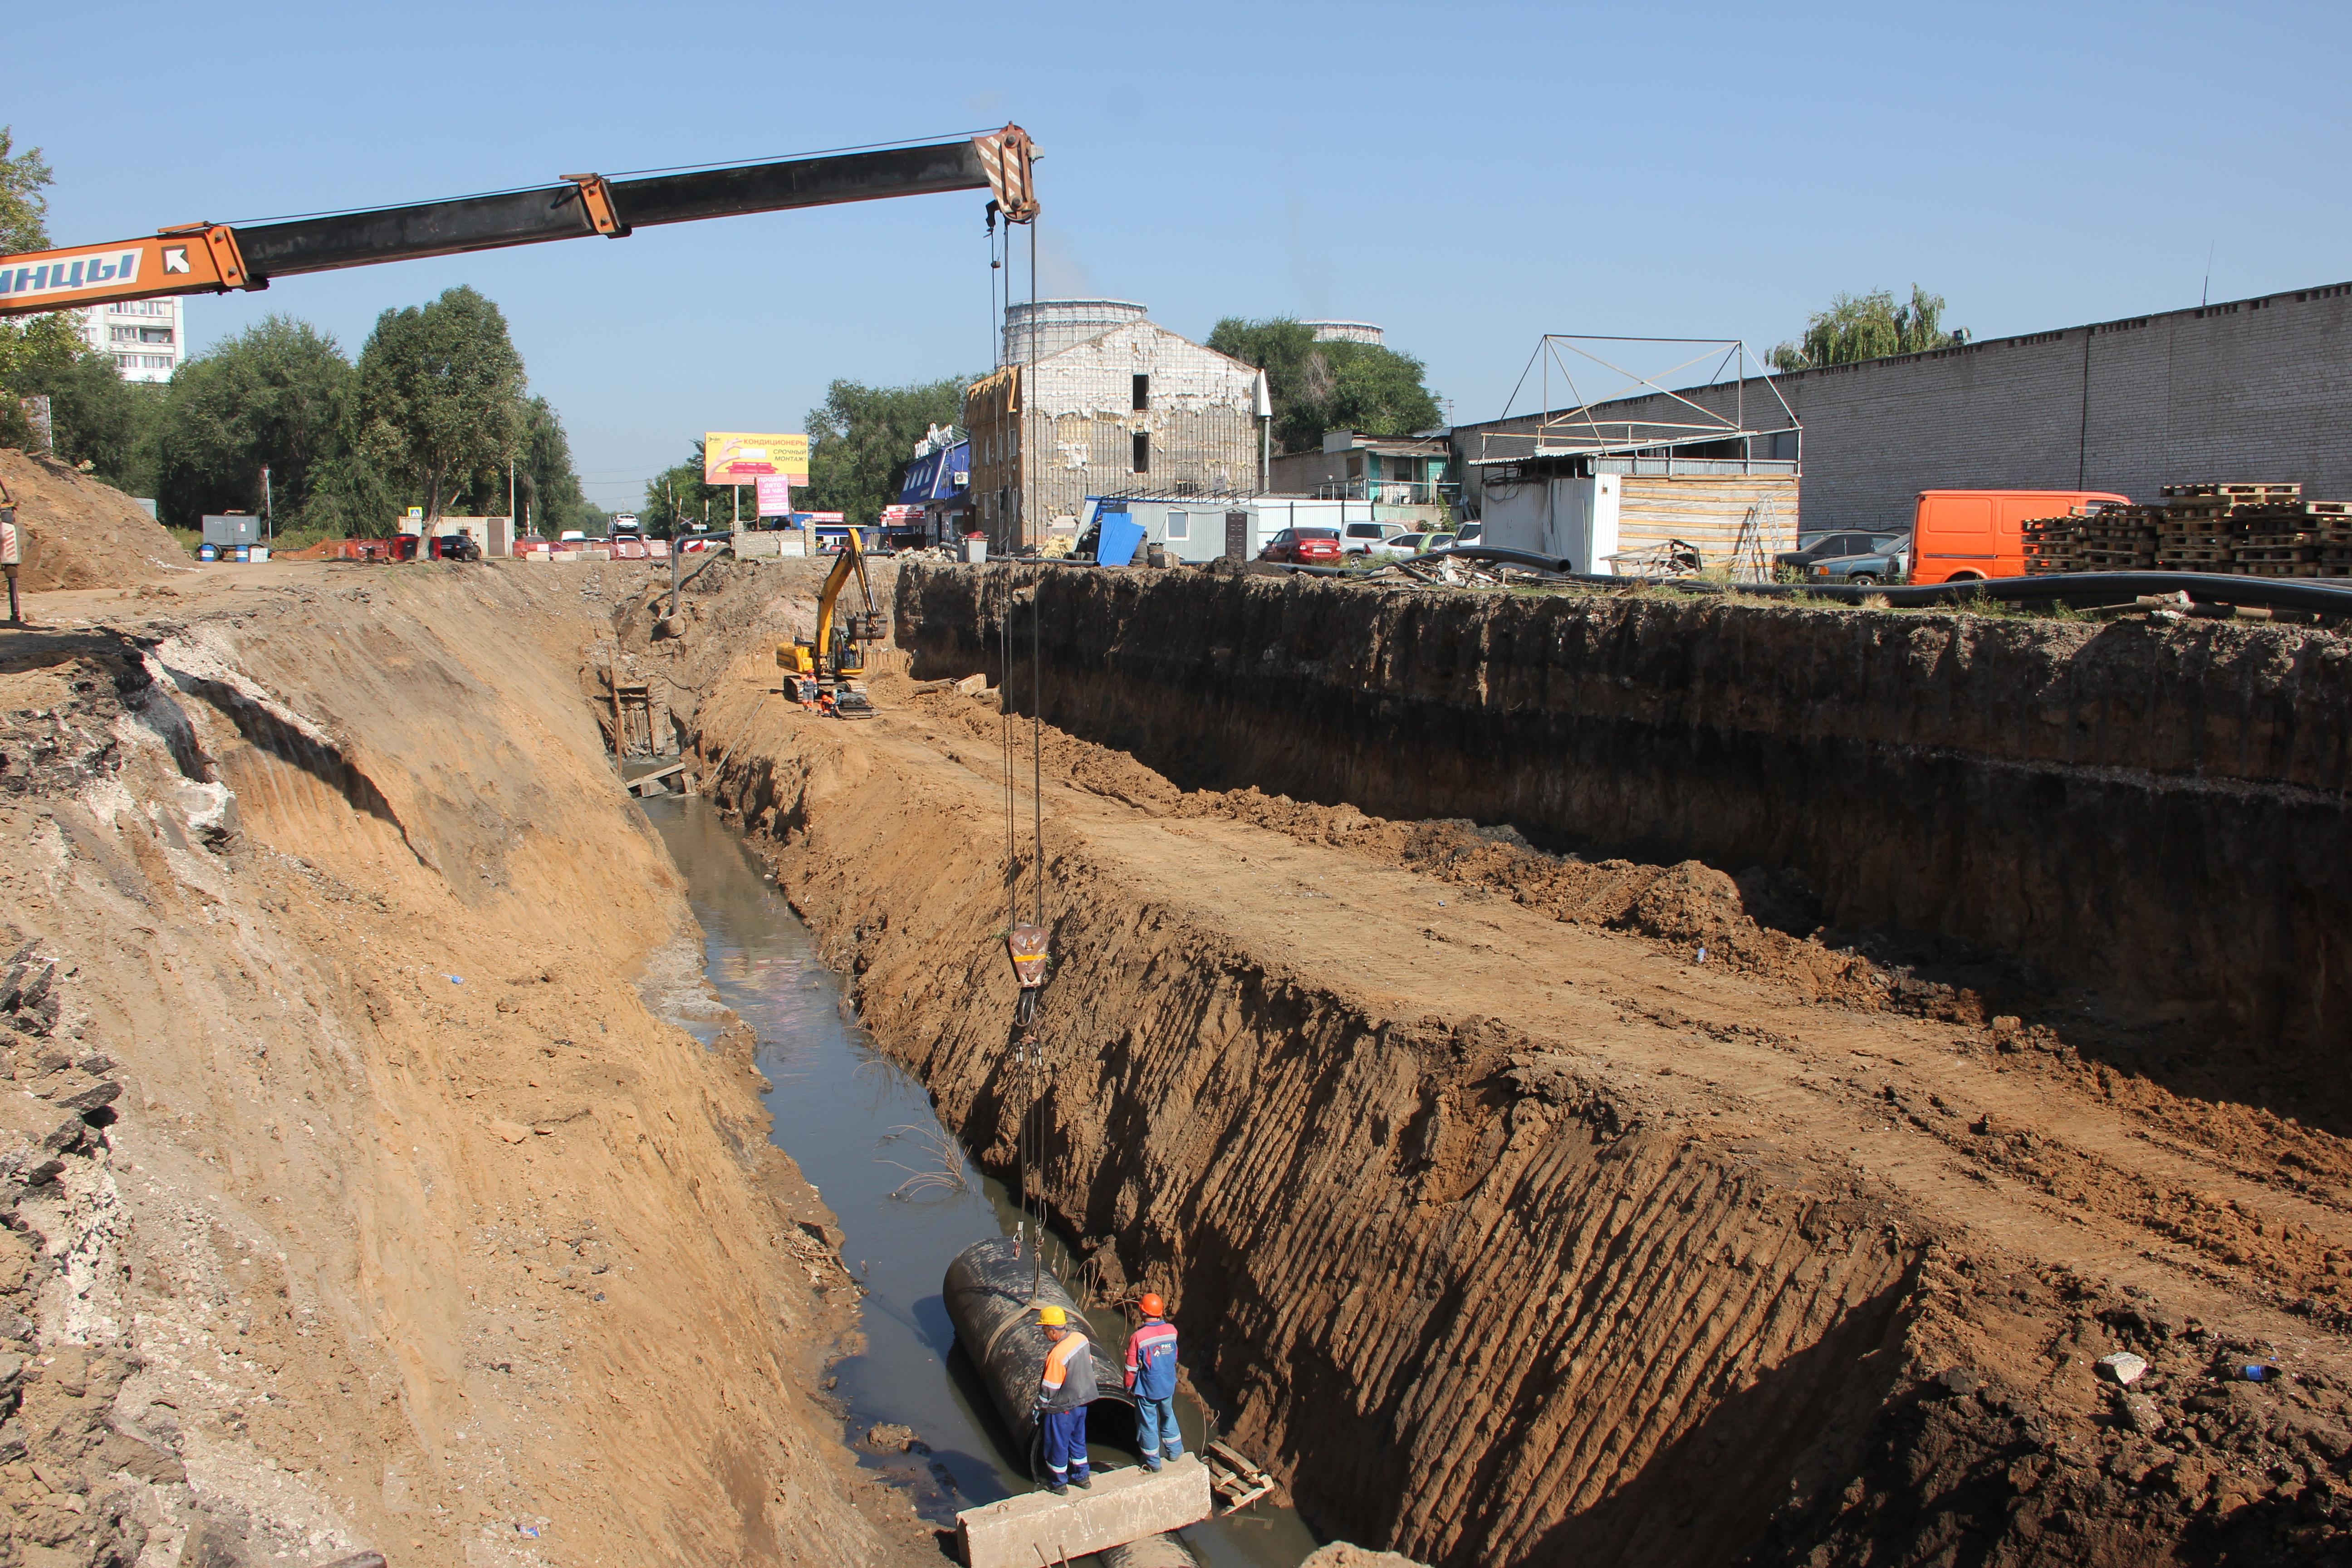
column 933, row 477
column 1120, row 534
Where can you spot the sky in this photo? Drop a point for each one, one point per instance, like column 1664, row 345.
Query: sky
column 1470, row 176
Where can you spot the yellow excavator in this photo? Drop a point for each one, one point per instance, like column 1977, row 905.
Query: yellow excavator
column 824, row 673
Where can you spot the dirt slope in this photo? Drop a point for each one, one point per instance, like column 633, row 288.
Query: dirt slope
column 414, row 1230
column 79, row 533
column 1512, row 1237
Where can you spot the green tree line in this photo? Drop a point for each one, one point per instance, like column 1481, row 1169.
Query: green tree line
column 432, row 413
column 1335, row 385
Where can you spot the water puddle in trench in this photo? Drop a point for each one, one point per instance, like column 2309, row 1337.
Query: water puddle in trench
column 843, row 1110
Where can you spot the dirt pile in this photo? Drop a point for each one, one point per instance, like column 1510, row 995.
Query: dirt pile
column 1505, row 1229
column 409, row 1226
column 79, row 533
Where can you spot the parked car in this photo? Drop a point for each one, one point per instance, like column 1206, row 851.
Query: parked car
column 1359, row 538
column 1304, row 546
column 1833, row 546
column 1863, row 568
column 1468, row 532
column 1398, row 545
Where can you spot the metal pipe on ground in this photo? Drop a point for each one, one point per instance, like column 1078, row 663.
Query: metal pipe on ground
column 990, row 1301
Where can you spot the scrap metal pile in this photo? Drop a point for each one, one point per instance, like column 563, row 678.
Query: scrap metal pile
column 2246, row 531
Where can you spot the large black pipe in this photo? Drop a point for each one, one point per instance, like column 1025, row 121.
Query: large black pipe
column 992, row 1301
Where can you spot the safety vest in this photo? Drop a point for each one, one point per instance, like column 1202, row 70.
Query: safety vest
column 1069, row 1380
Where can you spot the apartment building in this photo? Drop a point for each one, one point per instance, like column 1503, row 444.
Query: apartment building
column 147, row 337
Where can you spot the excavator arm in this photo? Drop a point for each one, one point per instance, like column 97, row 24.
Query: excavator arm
column 198, row 258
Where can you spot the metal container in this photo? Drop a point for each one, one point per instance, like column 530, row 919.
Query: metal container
column 992, row 1291
column 975, row 550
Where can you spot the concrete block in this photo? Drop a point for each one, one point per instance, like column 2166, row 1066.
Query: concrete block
column 1121, row 1506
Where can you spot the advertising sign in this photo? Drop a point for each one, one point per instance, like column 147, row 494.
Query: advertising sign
column 775, row 495
column 740, row 456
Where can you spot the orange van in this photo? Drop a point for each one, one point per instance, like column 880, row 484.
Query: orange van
column 1956, row 535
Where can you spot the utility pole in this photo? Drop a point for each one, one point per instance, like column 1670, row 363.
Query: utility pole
column 268, row 532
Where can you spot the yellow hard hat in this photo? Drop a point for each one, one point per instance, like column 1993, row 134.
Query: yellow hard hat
column 1052, row 1317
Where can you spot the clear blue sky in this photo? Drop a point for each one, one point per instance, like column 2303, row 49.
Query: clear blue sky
column 1468, row 175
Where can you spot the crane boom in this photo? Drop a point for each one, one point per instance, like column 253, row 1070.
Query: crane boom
column 198, row 258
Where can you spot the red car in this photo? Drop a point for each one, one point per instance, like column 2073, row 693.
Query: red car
column 1306, row 546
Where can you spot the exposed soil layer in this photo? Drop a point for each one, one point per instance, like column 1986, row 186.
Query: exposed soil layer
column 2155, row 816
column 354, row 1196
column 1512, row 1233
column 79, row 533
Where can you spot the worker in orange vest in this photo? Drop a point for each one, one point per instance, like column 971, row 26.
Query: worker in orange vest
column 1064, row 1389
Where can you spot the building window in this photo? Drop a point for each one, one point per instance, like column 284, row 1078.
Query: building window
column 1142, row 452
column 1142, row 392
column 126, row 361
column 1180, row 524
column 154, row 335
column 123, row 334
column 154, row 361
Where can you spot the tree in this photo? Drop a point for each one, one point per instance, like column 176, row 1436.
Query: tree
column 438, row 397
column 32, row 348
column 272, row 396
column 98, row 418
column 1869, row 326
column 862, row 441
column 544, row 474
column 1320, row 386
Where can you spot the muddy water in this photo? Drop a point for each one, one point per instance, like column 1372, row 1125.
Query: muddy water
column 864, row 1133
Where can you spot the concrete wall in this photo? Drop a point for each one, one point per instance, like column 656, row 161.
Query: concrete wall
column 2246, row 390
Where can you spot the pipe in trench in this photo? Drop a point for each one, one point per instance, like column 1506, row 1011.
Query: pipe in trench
column 990, row 1301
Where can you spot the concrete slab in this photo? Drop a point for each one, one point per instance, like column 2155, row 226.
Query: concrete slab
column 1121, row 1506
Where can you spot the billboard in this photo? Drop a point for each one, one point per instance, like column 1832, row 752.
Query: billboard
column 741, row 456
column 775, row 495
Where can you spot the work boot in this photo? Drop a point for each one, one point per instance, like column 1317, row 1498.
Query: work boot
column 1083, row 1481
column 1151, row 1463
column 1059, row 1488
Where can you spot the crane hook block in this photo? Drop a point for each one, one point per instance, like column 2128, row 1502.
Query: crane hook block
column 1028, row 948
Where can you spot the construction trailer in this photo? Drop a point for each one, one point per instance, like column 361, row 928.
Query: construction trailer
column 1610, row 514
column 1610, row 483
column 1194, row 529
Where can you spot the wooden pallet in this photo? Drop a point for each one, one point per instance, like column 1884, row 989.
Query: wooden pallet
column 2192, row 491
column 1237, row 1479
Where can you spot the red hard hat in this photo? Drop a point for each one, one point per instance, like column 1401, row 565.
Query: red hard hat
column 1153, row 1307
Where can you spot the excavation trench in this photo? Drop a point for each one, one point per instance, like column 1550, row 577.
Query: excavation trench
column 1524, row 1206
column 861, row 1128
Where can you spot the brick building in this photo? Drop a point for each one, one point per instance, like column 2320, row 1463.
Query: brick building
column 1131, row 407
column 2248, row 389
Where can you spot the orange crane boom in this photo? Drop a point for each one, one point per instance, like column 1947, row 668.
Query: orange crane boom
column 212, row 257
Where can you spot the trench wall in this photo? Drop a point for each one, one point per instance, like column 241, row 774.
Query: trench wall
column 2155, row 814
column 1471, row 1302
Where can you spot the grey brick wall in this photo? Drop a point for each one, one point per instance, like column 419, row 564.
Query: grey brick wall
column 2247, row 390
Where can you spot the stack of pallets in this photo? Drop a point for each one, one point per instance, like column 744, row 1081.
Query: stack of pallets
column 2121, row 539
column 2257, row 530
column 2248, row 530
column 2053, row 545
